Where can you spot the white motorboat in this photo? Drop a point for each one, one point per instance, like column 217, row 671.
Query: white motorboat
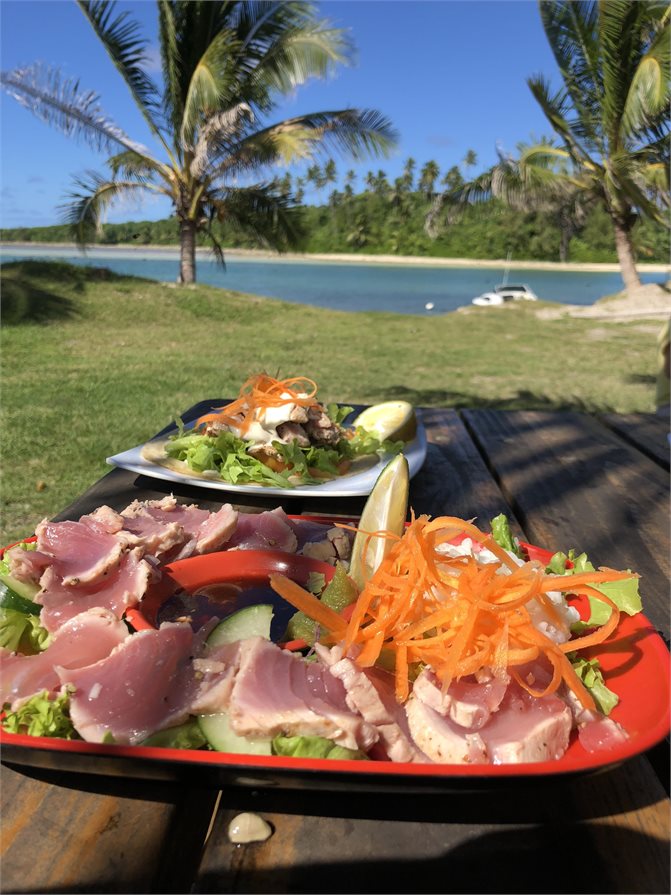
column 503, row 294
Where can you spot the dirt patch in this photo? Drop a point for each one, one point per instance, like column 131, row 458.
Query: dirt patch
column 649, row 302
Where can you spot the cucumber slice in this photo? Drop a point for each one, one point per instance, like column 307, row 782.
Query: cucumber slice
column 10, row 599
column 220, row 735
column 251, row 621
column 24, row 589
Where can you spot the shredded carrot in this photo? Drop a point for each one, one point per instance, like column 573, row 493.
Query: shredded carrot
column 257, row 394
column 457, row 615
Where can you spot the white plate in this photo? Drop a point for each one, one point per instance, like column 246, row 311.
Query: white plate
column 346, row 486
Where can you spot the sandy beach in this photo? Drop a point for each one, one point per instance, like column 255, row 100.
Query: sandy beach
column 345, row 258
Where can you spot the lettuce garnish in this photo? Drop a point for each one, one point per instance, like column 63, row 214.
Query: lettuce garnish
column 184, row 736
column 623, row 593
column 589, row 672
column 21, row 632
column 314, row 747
column 502, row 534
column 42, row 716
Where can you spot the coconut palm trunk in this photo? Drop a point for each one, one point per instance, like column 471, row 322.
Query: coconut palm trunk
column 187, row 252
column 625, row 255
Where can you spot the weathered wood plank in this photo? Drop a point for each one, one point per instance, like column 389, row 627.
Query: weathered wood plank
column 545, row 845
column 454, row 479
column 60, row 839
column 575, row 484
column 645, row 431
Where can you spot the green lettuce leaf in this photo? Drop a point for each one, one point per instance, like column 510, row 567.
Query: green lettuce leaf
column 338, row 414
column 184, row 736
column 624, row 593
column 42, row 716
column 589, row 672
column 22, row 633
column 503, row 535
column 314, row 747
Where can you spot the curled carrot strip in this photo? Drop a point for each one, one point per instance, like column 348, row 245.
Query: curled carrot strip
column 257, row 394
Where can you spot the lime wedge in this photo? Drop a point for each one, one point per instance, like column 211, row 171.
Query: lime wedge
column 385, row 510
column 395, row 420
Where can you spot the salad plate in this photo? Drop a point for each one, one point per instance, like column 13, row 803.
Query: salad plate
column 354, row 484
column 634, row 661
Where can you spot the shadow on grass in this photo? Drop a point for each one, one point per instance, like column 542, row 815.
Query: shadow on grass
column 32, row 291
column 523, row 399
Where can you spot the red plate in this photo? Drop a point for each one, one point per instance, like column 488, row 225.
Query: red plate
column 635, row 662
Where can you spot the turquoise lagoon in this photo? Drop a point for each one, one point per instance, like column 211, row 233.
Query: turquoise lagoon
column 345, row 286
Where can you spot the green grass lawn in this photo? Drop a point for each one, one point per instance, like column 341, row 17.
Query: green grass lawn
column 94, row 363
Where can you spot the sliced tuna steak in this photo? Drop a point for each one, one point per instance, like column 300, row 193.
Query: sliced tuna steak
column 123, row 586
column 84, row 639
column 441, row 739
column 269, row 698
column 144, row 685
column 82, row 553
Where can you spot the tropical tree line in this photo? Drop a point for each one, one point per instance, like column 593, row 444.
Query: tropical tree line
column 378, row 214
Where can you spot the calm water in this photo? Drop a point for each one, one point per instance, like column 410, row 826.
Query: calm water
column 346, row 286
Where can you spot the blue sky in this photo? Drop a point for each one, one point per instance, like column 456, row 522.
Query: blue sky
column 450, row 74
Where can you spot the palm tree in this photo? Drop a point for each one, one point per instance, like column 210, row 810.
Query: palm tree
column 538, row 179
column 427, row 178
column 226, row 64
column 610, row 116
column 611, row 112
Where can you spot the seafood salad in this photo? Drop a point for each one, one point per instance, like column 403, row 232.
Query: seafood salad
column 458, row 649
column 276, row 433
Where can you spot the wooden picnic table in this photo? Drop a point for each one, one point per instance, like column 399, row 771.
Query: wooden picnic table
column 565, row 480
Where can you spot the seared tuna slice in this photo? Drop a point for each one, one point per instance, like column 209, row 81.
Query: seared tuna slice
column 82, row 553
column 215, row 675
column 123, row 586
column 201, row 531
column 144, row 685
column 104, row 518
column 336, row 545
column 84, row 639
column 596, row 732
column 217, row 529
column 467, row 702
column 440, row 738
column 269, row 530
column 26, row 565
column 527, row 728
column 276, row 692
column 370, row 692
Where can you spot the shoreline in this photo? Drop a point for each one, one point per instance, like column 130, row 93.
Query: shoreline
column 346, row 258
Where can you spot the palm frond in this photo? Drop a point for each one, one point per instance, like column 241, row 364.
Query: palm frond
column 621, row 49
column 210, row 85
column 61, row 103
column 92, row 194
column 310, row 50
column 126, row 48
column 556, row 109
column 261, row 210
column 648, row 97
column 171, row 65
column 220, row 134
column 132, row 166
column 571, row 29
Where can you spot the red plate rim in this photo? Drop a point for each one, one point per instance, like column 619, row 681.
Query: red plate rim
column 641, row 682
